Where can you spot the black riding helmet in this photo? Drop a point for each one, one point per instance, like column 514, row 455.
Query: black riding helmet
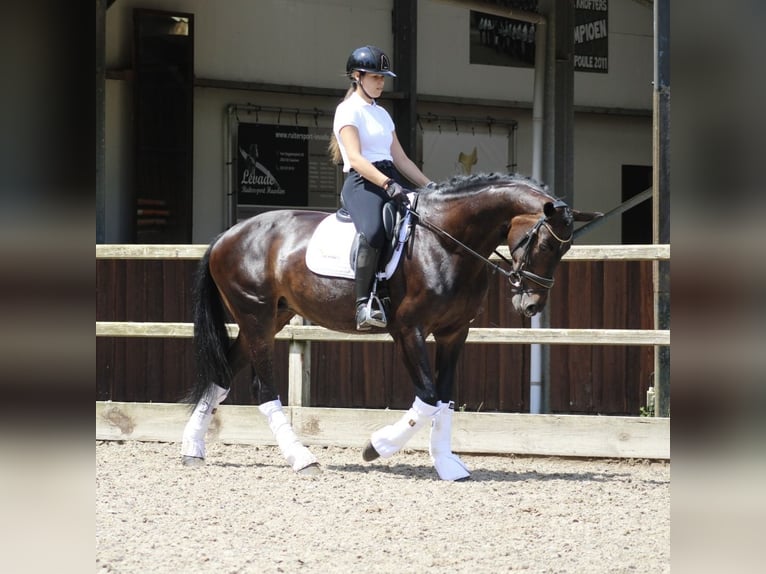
column 369, row 59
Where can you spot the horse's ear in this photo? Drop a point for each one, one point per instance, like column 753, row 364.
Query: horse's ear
column 549, row 209
column 586, row 215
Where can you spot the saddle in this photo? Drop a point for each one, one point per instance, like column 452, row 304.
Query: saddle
column 332, row 248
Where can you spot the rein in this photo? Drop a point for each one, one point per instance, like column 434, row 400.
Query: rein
column 517, row 273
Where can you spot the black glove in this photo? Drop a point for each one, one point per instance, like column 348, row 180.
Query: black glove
column 397, row 193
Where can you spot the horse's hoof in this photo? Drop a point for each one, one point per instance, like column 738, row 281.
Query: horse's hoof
column 369, row 453
column 192, row 461
column 311, row 470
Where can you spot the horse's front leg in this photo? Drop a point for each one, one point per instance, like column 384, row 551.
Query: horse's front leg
column 448, row 465
column 390, row 439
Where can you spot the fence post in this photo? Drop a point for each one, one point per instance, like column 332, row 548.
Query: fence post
column 661, row 208
column 299, row 370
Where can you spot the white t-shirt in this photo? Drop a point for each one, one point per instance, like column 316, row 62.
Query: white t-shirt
column 373, row 123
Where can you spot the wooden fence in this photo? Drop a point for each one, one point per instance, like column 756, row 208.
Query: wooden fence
column 540, row 434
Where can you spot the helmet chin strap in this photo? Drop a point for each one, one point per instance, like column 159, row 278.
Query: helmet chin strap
column 361, row 85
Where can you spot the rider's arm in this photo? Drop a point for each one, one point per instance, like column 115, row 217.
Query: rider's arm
column 405, row 165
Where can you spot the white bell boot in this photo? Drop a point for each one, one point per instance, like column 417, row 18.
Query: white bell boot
column 297, row 455
column 193, row 442
column 390, row 439
column 448, row 465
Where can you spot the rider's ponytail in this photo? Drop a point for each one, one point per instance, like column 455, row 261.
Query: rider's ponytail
column 333, row 149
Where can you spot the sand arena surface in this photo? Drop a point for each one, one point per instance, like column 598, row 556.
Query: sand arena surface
column 246, row 511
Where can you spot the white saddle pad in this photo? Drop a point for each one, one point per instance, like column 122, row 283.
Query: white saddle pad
column 329, row 250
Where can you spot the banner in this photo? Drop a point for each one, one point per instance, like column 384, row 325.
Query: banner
column 591, row 36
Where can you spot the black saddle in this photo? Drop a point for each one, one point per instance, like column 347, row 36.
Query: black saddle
column 392, row 215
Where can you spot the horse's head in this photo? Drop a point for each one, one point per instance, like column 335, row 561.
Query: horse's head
column 537, row 243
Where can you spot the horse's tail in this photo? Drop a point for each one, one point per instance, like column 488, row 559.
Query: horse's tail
column 211, row 339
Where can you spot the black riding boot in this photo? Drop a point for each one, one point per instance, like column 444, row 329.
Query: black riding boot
column 367, row 314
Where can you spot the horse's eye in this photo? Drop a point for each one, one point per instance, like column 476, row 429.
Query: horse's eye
column 544, row 246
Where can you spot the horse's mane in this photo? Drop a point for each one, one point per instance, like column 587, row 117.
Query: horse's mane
column 466, row 184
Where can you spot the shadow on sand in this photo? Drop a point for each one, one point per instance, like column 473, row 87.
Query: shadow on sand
column 423, row 472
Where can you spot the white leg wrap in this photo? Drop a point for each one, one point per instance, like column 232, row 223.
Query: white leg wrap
column 193, row 443
column 390, row 439
column 297, row 455
column 447, row 464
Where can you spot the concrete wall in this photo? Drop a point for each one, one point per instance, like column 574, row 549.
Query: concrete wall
column 296, row 42
column 306, row 43
column 603, row 144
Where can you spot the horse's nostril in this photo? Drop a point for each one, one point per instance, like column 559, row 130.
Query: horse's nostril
column 531, row 310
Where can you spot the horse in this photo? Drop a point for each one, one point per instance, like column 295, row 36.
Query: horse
column 256, row 271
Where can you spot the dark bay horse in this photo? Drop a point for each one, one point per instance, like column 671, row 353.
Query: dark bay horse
column 257, row 272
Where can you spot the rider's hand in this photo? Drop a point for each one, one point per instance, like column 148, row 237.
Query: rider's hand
column 397, row 193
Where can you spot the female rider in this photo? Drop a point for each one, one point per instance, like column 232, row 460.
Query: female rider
column 365, row 141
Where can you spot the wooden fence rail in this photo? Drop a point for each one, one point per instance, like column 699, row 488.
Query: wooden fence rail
column 476, row 335
column 300, row 336
column 485, row 433
column 576, row 253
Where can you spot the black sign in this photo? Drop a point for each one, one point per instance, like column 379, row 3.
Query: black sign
column 272, row 165
column 591, row 36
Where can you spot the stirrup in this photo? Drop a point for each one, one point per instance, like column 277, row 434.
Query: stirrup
column 370, row 314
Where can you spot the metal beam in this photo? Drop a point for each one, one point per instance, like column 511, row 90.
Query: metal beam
column 100, row 121
column 405, row 26
column 558, row 128
column 661, row 210
column 622, row 208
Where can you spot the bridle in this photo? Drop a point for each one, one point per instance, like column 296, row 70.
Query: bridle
column 518, row 273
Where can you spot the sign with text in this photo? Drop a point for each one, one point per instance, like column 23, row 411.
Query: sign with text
column 272, row 164
column 591, row 36
column 285, row 166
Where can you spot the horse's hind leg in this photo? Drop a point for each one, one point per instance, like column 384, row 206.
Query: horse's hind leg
column 296, row 454
column 193, row 441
